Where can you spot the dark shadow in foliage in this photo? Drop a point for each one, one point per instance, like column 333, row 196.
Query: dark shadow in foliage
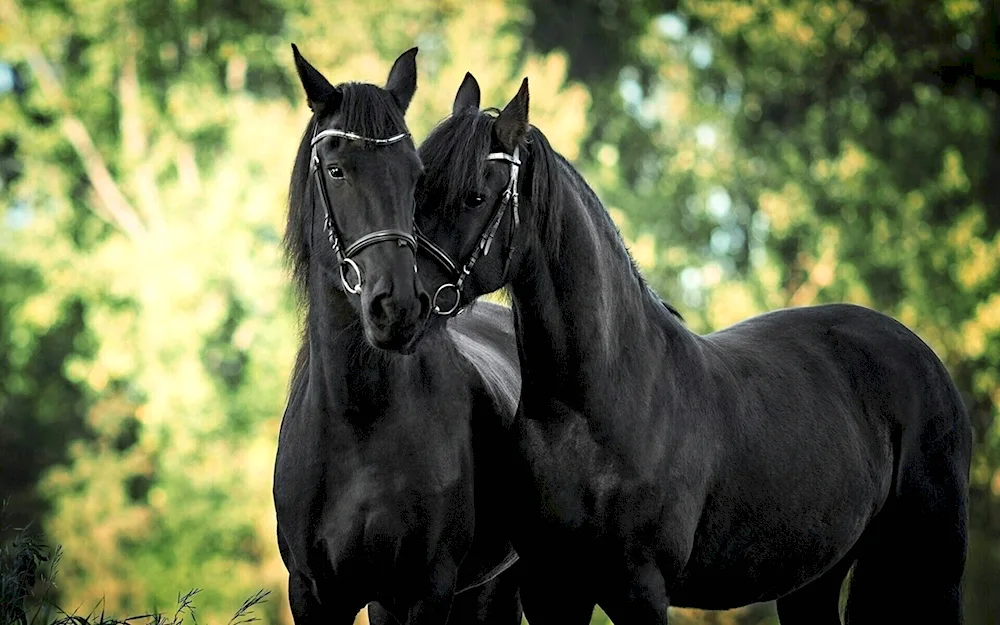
column 41, row 412
column 28, row 567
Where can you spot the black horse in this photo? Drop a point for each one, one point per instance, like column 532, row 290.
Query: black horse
column 382, row 482
column 652, row 466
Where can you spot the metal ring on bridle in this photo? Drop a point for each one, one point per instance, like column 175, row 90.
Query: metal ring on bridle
column 458, row 299
column 346, row 265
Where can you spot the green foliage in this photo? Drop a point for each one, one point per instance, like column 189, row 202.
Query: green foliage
column 27, row 572
column 21, row 560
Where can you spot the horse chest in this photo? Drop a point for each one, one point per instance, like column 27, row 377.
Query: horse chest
column 374, row 503
column 386, row 481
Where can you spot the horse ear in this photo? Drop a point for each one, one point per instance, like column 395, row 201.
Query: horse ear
column 319, row 92
column 512, row 123
column 402, row 81
column 467, row 96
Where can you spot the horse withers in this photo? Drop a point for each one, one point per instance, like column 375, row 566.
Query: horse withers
column 378, row 486
column 651, row 466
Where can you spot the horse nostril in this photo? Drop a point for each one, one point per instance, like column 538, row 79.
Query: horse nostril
column 377, row 307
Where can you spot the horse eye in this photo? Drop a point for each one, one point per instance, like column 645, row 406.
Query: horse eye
column 474, row 200
column 336, row 172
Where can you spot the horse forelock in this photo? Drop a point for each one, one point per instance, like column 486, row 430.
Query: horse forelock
column 454, row 154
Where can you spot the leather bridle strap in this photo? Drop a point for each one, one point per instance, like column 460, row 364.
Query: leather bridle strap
column 381, row 236
column 345, row 261
column 509, row 198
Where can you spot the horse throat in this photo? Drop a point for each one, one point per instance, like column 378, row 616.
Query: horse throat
column 350, row 372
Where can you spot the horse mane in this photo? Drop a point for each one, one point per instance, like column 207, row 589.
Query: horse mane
column 364, row 109
column 453, row 154
column 590, row 196
column 500, row 376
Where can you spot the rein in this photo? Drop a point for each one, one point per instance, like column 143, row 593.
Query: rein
column 344, row 261
column 508, row 199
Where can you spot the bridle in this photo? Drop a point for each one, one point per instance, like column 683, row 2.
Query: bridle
column 509, row 198
column 344, row 261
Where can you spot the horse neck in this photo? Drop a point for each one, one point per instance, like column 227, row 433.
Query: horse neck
column 587, row 323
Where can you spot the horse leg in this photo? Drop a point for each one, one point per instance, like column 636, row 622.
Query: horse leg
column 497, row 602
column 549, row 599
column 434, row 606
column 433, row 610
column 910, row 571
column 638, row 597
column 302, row 599
column 378, row 615
column 818, row 601
column 307, row 609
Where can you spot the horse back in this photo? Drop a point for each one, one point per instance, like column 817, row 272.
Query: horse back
column 896, row 374
column 835, row 373
column 872, row 360
column 813, row 415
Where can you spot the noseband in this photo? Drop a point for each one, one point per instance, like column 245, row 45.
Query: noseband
column 509, row 198
column 344, row 261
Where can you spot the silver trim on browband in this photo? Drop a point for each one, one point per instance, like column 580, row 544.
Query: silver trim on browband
column 350, row 136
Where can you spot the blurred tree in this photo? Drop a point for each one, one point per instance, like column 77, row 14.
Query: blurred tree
column 157, row 237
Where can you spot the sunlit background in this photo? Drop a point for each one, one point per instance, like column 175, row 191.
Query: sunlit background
column 756, row 155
